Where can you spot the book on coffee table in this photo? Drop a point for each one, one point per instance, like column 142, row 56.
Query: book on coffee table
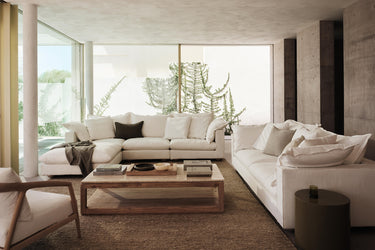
column 108, row 167
column 121, row 171
column 197, row 163
column 199, row 171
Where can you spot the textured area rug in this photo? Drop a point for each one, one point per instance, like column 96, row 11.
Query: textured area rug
column 245, row 224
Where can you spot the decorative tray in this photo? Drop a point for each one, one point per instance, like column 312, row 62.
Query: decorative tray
column 169, row 169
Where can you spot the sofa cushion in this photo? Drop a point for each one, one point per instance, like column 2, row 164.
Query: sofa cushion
column 265, row 172
column 294, row 143
column 153, row 126
column 218, row 123
column 117, row 141
column 315, row 156
column 277, row 141
column 104, row 152
column 177, row 127
column 8, row 200
column 100, row 128
column 79, row 129
column 191, row 144
column 127, row 131
column 261, row 141
column 251, row 156
column 360, row 145
column 244, row 136
column 123, row 118
column 199, row 124
column 146, row 143
column 46, row 208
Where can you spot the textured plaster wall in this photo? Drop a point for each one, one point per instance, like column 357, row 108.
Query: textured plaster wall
column 308, row 74
column 278, row 82
column 359, row 70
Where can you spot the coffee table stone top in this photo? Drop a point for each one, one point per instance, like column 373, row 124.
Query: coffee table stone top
column 180, row 177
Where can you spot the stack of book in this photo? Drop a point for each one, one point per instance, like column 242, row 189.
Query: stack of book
column 110, row 169
column 197, row 168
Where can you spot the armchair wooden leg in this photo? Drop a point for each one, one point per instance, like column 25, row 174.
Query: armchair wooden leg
column 78, row 227
column 75, row 210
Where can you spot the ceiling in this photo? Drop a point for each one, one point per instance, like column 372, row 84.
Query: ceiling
column 184, row 21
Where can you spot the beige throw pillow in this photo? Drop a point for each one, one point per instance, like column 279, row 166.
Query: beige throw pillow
column 329, row 139
column 294, row 143
column 277, row 141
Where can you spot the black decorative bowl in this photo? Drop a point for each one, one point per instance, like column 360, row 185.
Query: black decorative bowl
column 144, row 167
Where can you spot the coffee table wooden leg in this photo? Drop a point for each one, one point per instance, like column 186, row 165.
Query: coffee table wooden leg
column 83, row 199
column 221, row 196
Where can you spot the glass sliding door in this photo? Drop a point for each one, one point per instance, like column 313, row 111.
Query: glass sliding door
column 59, row 85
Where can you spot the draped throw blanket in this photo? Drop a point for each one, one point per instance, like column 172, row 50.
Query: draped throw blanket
column 79, row 153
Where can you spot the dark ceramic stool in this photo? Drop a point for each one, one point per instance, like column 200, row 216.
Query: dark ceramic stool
column 323, row 222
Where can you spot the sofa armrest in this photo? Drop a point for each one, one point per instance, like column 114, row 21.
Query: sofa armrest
column 356, row 181
column 70, row 136
column 220, row 142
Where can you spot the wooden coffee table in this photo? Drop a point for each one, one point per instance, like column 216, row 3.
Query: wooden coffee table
column 124, row 194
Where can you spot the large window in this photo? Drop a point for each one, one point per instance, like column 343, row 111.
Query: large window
column 59, row 85
column 231, row 81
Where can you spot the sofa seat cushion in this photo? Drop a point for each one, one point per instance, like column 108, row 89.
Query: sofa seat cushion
column 104, row 152
column 251, row 156
column 192, row 144
column 117, row 141
column 265, row 173
column 46, row 208
column 146, row 143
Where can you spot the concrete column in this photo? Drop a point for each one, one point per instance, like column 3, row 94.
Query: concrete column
column 30, row 90
column 89, row 77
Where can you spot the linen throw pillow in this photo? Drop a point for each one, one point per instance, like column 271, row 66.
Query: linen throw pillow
column 315, row 156
column 9, row 199
column 127, row 131
column 177, row 127
column 360, row 145
column 100, row 128
column 199, row 124
column 329, row 139
column 294, row 143
column 244, row 136
column 277, row 141
column 218, row 123
column 79, row 129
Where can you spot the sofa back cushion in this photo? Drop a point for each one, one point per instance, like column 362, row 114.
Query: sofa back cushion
column 217, row 124
column 127, row 131
column 329, row 139
column 123, row 118
column 153, row 126
column 8, row 199
column 79, row 129
column 100, row 128
column 277, row 140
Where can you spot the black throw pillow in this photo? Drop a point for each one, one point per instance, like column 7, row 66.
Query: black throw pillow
column 127, row 131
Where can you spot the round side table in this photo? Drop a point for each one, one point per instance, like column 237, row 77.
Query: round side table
column 322, row 223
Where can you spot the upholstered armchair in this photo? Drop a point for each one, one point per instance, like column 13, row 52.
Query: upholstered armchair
column 27, row 215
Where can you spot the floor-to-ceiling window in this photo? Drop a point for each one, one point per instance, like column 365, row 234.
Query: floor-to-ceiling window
column 233, row 82
column 59, row 85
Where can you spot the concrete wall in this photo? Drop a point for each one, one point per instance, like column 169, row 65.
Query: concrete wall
column 359, row 70
column 308, row 74
column 284, row 85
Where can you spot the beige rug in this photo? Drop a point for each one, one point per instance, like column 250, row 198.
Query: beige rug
column 245, row 224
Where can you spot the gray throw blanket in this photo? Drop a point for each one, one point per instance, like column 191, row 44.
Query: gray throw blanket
column 79, row 153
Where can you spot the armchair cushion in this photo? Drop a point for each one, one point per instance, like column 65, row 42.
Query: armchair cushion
column 46, row 209
column 8, row 199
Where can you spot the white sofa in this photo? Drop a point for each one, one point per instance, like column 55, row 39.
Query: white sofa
column 202, row 137
column 275, row 184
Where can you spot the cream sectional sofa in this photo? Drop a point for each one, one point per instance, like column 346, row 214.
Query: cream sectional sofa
column 199, row 136
column 274, row 179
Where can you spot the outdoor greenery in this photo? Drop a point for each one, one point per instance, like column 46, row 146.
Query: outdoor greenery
column 54, row 76
column 196, row 94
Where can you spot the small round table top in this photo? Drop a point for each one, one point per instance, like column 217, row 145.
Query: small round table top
column 325, row 198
